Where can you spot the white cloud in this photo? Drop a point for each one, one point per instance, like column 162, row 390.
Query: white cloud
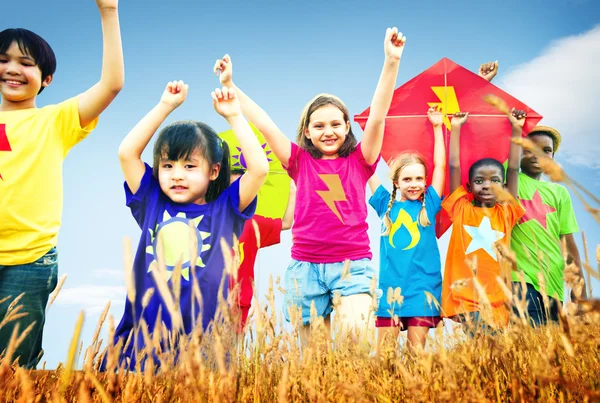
column 91, row 298
column 563, row 84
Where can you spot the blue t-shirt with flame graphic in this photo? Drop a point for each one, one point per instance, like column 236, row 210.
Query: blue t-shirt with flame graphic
column 409, row 256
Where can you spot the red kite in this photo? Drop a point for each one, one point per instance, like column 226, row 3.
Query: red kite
column 451, row 88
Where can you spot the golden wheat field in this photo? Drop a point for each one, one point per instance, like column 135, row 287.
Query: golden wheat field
column 555, row 363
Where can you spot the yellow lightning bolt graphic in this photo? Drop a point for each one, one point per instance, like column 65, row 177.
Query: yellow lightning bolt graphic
column 412, row 226
column 335, row 192
column 448, row 104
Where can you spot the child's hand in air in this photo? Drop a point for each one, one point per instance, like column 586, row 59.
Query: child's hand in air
column 459, row 119
column 517, row 117
column 224, row 67
column 107, row 4
column 488, row 70
column 435, row 117
column 174, row 94
column 226, row 103
column 393, row 45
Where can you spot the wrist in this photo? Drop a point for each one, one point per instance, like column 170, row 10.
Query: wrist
column 166, row 107
column 107, row 10
column 234, row 118
column 392, row 60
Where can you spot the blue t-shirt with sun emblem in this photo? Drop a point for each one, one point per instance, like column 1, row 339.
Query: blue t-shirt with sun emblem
column 178, row 227
column 409, row 256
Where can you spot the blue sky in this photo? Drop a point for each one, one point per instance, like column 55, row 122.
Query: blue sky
column 284, row 53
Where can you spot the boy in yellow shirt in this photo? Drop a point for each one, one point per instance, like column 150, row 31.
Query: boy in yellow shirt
column 33, row 144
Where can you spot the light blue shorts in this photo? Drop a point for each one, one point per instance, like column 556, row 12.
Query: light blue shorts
column 306, row 283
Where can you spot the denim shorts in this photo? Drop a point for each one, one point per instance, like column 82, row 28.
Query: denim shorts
column 306, row 283
column 539, row 314
column 37, row 280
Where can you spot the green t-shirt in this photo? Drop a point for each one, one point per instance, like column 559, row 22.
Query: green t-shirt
column 536, row 238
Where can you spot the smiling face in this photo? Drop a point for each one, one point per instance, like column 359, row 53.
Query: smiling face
column 20, row 79
column 480, row 184
column 327, row 130
column 529, row 161
column 186, row 180
column 411, row 182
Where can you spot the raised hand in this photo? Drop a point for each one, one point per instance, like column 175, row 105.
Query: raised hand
column 488, row 70
column 517, row 117
column 224, row 67
column 459, row 119
column 435, row 117
column 393, row 45
column 174, row 94
column 226, row 103
column 107, row 4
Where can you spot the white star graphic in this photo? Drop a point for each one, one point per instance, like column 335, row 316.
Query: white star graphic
column 483, row 237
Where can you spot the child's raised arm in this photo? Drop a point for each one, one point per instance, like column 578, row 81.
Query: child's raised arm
column 382, row 99
column 517, row 120
column 288, row 217
column 279, row 143
column 95, row 100
column 227, row 105
column 374, row 183
column 455, row 171
column 439, row 151
column 131, row 148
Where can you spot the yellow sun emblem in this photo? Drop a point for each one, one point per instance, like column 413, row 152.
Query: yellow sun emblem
column 175, row 236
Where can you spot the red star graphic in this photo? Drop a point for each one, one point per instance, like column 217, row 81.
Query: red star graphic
column 4, row 144
column 535, row 209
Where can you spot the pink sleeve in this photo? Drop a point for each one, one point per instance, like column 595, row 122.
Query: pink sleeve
column 368, row 169
column 292, row 166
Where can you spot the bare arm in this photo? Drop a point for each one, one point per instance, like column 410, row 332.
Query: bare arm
column 257, row 166
column 517, row 120
column 439, row 152
column 573, row 257
column 279, row 143
column 455, row 170
column 95, row 100
column 288, row 216
column 374, row 183
column 380, row 105
column 132, row 146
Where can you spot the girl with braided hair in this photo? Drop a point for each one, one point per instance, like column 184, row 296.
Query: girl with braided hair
column 410, row 280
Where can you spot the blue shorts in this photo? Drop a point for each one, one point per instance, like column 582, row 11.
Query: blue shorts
column 37, row 280
column 539, row 314
column 306, row 283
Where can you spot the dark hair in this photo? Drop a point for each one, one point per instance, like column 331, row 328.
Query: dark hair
column 238, row 171
column 33, row 45
column 180, row 139
column 316, row 103
column 486, row 162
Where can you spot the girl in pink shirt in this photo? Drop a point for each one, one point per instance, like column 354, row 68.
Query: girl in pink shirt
column 330, row 252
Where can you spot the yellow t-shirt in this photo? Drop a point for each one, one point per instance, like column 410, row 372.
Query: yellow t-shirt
column 33, row 145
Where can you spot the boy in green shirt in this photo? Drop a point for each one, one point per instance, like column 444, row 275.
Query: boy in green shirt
column 536, row 240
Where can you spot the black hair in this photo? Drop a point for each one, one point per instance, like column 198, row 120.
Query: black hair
column 486, row 162
column 33, row 45
column 238, row 171
column 180, row 139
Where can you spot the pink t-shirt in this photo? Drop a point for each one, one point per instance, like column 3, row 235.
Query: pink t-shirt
column 330, row 219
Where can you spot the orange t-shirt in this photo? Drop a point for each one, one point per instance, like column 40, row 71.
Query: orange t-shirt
column 474, row 232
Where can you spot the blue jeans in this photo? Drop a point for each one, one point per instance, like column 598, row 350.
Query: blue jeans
column 37, row 280
column 307, row 282
column 539, row 313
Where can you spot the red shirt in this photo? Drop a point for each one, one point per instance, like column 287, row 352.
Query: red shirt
column 269, row 231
